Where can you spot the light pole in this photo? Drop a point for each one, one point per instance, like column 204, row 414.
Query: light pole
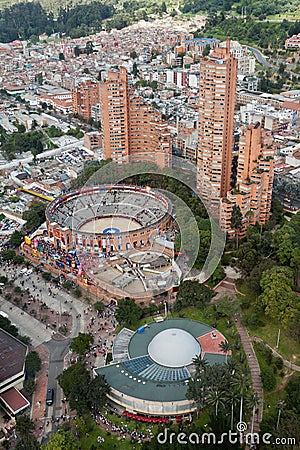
column 278, row 338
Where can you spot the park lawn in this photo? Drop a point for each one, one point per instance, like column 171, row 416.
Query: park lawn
column 206, row 316
column 271, row 400
column 111, row 441
column 288, row 348
column 295, row 15
column 243, row 288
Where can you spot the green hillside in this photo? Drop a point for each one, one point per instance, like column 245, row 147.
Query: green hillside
column 27, row 20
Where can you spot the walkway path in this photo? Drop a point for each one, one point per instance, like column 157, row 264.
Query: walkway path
column 39, row 399
column 227, row 288
column 275, row 353
column 255, row 373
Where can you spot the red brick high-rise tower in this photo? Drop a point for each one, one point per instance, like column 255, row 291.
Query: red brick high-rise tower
column 217, row 92
column 132, row 131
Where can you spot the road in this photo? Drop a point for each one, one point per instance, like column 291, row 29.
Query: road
column 263, row 61
column 261, row 58
column 58, row 350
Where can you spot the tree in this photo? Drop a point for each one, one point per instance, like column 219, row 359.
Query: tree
column 278, row 297
column 206, row 50
column 89, row 47
column 134, row 69
column 8, row 255
column 253, row 401
column 62, row 440
column 268, row 378
column 81, row 343
column 192, row 293
column 98, row 389
column 84, row 394
column 133, row 54
column 236, row 222
column 99, row 306
column 30, row 386
column 39, row 78
column 25, row 437
column 24, row 425
column 287, row 243
column 128, row 312
column 35, row 214
column 74, row 381
column 46, row 276
column 77, row 51
column 200, row 364
column 226, row 348
column 293, row 394
column 227, row 307
column 78, row 292
column 33, row 363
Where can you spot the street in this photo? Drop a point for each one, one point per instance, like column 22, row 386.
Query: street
column 58, row 350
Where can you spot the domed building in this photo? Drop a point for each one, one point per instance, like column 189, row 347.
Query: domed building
column 151, row 367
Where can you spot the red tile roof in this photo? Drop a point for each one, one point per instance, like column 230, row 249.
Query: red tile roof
column 14, row 400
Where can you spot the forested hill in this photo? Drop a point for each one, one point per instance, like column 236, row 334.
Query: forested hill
column 254, row 8
column 30, row 19
column 24, row 20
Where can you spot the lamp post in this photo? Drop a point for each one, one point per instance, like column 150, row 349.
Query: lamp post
column 278, row 338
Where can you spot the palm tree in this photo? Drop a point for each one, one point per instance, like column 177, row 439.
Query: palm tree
column 216, row 397
column 232, row 397
column 242, row 382
column 226, row 348
column 200, row 364
column 280, row 406
column 253, row 402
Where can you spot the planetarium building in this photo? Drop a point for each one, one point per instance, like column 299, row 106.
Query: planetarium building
column 151, row 367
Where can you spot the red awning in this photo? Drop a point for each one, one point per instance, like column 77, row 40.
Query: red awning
column 14, row 400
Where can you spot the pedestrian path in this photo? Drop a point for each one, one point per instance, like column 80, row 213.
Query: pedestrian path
column 38, row 407
column 227, row 288
column 255, row 373
column 275, row 353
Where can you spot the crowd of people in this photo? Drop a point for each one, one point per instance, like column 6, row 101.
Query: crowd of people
column 122, row 430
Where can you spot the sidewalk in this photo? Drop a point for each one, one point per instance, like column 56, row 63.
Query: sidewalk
column 38, row 407
column 278, row 355
column 254, row 371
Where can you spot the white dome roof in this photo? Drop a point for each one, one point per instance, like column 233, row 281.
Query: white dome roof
column 174, row 348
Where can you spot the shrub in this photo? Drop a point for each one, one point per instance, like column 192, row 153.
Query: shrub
column 268, row 378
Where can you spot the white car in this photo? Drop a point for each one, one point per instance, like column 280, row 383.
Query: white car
column 29, row 272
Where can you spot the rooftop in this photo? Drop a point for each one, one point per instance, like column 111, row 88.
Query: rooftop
column 12, row 356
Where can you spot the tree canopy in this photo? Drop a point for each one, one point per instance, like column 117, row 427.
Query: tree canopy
column 35, row 214
column 128, row 312
column 192, row 293
column 33, row 363
column 81, row 343
column 278, row 297
column 83, row 392
column 62, row 440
